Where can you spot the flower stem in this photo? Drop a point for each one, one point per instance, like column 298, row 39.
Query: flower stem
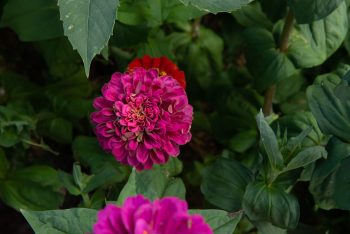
column 283, row 46
column 196, row 27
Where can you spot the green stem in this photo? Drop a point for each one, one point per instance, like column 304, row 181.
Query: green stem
column 283, row 47
column 86, row 200
column 42, row 146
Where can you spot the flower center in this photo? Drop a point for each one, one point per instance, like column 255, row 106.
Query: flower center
column 139, row 114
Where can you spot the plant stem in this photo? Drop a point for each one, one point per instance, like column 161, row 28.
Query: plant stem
column 196, row 27
column 283, row 46
column 42, row 146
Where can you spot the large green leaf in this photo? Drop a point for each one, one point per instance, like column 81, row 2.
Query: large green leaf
column 266, row 203
column 70, row 221
column 215, row 6
column 88, row 24
column 331, row 179
column 34, row 188
column 224, row 183
column 33, row 20
column 307, row 11
column 266, row 63
column 269, row 141
column 311, row 44
column 29, row 195
column 332, row 114
column 156, row 183
column 252, row 16
column 220, row 221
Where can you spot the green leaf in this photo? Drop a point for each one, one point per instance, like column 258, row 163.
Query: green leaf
column 88, row 151
column 266, row 63
column 330, row 181
column 252, row 16
column 69, row 183
column 157, row 45
column 306, row 156
column 29, row 195
column 299, row 121
column 307, row 11
column 57, row 129
column 243, row 141
column 265, row 203
column 88, row 24
column 107, row 176
column 203, row 57
column 8, row 137
column 70, row 221
column 220, row 221
column 311, row 44
column 4, row 164
column 59, row 55
column 342, row 91
column 268, row 228
column 269, row 141
column 224, row 183
column 155, row 183
column 331, row 113
column 34, row 187
column 216, row 6
column 41, row 174
column 32, row 20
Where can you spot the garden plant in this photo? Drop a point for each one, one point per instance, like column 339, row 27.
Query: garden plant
column 174, row 116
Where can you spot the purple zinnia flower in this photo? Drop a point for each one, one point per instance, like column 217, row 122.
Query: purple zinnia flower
column 142, row 117
column 140, row 216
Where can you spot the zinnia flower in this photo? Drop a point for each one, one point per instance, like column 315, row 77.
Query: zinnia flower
column 142, row 117
column 164, row 66
column 139, row 215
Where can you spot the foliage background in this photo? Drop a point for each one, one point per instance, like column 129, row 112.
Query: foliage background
column 288, row 171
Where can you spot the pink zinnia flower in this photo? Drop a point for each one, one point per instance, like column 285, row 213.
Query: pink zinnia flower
column 140, row 216
column 142, row 117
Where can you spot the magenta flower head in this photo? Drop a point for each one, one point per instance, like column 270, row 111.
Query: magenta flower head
column 139, row 215
column 142, row 117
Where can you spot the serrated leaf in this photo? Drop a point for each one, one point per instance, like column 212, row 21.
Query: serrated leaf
column 88, row 24
column 70, row 221
column 216, row 6
column 155, row 183
column 307, row 11
column 220, row 221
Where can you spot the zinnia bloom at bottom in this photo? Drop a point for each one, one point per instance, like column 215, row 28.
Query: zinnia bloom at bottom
column 139, row 215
